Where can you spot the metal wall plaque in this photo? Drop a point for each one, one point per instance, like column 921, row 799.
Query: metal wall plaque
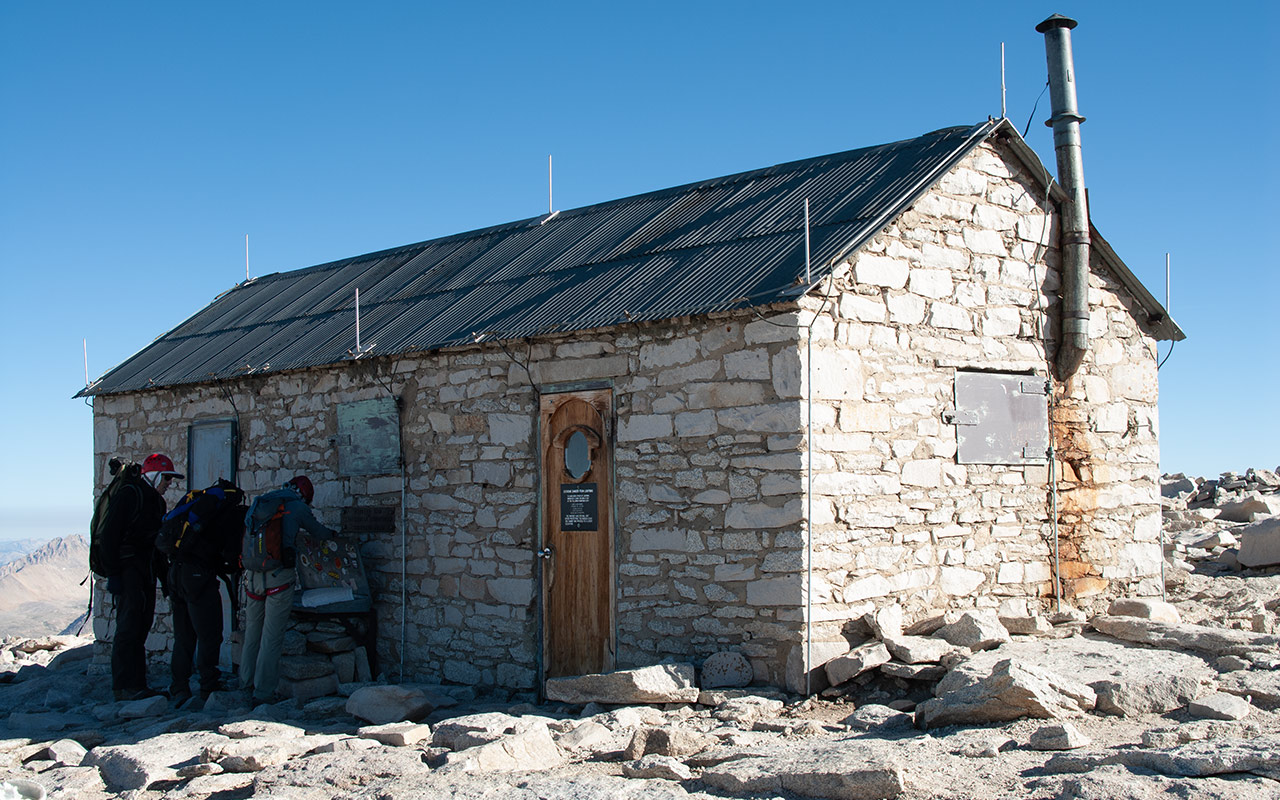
column 579, row 507
column 368, row 437
column 369, row 519
column 211, row 452
column 1001, row 419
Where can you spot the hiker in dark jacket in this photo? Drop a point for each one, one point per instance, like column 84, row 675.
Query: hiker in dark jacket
column 194, row 597
column 269, row 575
column 128, row 551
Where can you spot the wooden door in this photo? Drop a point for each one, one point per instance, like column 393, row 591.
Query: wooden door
column 577, row 524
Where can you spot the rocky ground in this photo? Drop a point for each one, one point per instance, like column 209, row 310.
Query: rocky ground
column 1152, row 699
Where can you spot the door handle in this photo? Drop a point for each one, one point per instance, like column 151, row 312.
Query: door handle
column 544, row 552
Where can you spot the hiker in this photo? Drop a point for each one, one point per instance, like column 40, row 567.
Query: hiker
column 201, row 537
column 269, row 556
column 125, row 532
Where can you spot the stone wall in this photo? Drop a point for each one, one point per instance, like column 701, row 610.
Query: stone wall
column 708, row 502
column 968, row 279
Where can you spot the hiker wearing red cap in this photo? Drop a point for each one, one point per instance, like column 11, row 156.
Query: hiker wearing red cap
column 125, row 527
column 269, row 556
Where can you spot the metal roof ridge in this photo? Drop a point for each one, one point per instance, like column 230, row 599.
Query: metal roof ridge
column 540, row 219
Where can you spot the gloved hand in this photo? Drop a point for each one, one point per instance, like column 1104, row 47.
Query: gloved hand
column 115, row 584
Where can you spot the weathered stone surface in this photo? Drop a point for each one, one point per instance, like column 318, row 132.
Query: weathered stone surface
column 1058, row 736
column 1144, row 608
column 1027, row 626
column 842, row 770
column 976, row 630
column 921, row 649
column 1128, row 680
column 885, row 622
column 64, row 752
column 591, row 737
column 855, row 662
column 529, row 748
column 249, row 728
column 136, row 766
column 1260, row 543
column 258, row 753
column 727, row 668
column 309, row 688
column 1219, row 705
column 1221, row 756
column 302, row 668
column 1263, row 686
column 662, row 683
column 459, row 733
column 1008, row 691
column 822, row 652
column 666, row 740
column 657, row 766
column 1250, row 508
column 914, row 672
column 878, row 718
column 1217, row 641
column 743, row 711
column 146, row 707
column 396, row 734
column 383, row 704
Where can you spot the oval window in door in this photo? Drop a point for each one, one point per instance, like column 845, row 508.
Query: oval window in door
column 577, row 455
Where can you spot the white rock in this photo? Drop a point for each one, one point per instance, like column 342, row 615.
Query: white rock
column 1144, row 608
column 531, row 748
column 661, row 683
column 657, row 766
column 396, row 734
column 1058, row 736
column 1260, row 543
column 855, row 662
column 384, row 704
column 976, row 630
column 1219, row 705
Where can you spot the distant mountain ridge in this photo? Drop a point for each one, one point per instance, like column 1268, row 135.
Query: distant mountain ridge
column 14, row 549
column 41, row 593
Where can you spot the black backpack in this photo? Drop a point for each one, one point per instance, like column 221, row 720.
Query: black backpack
column 206, row 526
column 127, row 476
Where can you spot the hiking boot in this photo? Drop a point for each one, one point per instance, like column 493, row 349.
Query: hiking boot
column 178, row 698
column 123, row 695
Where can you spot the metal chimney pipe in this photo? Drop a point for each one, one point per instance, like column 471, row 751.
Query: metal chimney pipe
column 1065, row 122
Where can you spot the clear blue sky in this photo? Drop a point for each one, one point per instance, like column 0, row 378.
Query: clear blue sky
column 142, row 141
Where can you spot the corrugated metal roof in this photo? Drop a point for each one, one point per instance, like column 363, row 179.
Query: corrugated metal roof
column 720, row 244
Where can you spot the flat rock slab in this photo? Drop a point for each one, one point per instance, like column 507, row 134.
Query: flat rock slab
column 1008, row 690
column 1263, row 686
column 1129, row 680
column 135, row 766
column 472, row 730
column 530, row 748
column 843, row 770
column 1260, row 543
column 396, row 734
column 976, row 630
column 1145, row 609
column 855, row 662
column 1216, row 641
column 662, row 683
column 1058, row 736
column 1260, row 756
column 1220, row 705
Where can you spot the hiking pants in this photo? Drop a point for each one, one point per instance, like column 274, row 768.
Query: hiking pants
column 135, row 611
column 197, row 625
column 269, row 598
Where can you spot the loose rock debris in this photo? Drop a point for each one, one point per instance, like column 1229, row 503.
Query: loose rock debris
column 1174, row 698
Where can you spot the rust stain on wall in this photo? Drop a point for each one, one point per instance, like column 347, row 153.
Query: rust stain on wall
column 1077, row 496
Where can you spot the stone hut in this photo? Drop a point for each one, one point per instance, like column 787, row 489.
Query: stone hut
column 692, row 420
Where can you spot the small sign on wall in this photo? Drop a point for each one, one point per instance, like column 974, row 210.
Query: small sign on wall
column 579, row 507
column 368, row 437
